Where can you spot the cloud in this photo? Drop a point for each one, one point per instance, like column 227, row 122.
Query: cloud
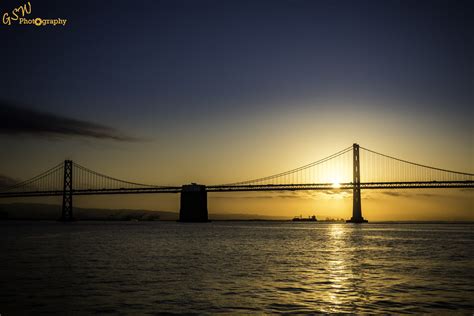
column 339, row 194
column 262, row 197
column 6, row 181
column 303, row 194
column 407, row 194
column 15, row 120
column 395, row 193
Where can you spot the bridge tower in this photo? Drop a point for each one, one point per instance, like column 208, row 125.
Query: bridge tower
column 66, row 215
column 356, row 206
column 193, row 203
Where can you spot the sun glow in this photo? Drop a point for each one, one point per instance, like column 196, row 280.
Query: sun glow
column 336, row 183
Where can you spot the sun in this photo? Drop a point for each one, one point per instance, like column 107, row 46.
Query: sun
column 336, row 184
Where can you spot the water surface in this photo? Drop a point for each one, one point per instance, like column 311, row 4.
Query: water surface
column 235, row 267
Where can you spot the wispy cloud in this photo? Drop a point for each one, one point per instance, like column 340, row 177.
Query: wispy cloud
column 408, row 194
column 394, row 193
column 337, row 195
column 256, row 197
column 304, row 194
column 379, row 195
column 16, row 120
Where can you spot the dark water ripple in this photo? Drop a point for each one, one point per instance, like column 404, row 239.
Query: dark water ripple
column 235, row 267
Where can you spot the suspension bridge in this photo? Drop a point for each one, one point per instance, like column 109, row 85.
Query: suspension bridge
column 353, row 168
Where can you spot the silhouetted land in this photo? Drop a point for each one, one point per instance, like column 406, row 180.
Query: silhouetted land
column 36, row 211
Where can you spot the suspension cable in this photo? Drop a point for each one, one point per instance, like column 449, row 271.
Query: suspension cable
column 114, row 179
column 38, row 177
column 339, row 153
column 417, row 164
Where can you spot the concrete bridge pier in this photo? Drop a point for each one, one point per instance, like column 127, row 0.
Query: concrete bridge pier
column 193, row 203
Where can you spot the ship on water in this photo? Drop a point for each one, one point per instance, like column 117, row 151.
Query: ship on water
column 304, row 219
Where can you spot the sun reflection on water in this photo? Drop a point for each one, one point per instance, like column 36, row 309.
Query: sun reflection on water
column 345, row 284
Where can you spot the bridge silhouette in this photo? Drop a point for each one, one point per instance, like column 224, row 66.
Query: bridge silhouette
column 353, row 168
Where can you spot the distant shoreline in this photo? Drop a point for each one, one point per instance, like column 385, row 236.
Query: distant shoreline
column 235, row 220
column 52, row 212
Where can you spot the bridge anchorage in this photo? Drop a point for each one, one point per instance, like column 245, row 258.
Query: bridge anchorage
column 193, row 203
column 354, row 168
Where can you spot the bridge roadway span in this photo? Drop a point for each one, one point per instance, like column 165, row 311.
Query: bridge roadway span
column 255, row 188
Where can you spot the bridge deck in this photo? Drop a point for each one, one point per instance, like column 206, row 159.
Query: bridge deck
column 255, row 188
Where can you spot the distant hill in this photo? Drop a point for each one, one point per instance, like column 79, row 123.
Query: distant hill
column 29, row 211
column 36, row 211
